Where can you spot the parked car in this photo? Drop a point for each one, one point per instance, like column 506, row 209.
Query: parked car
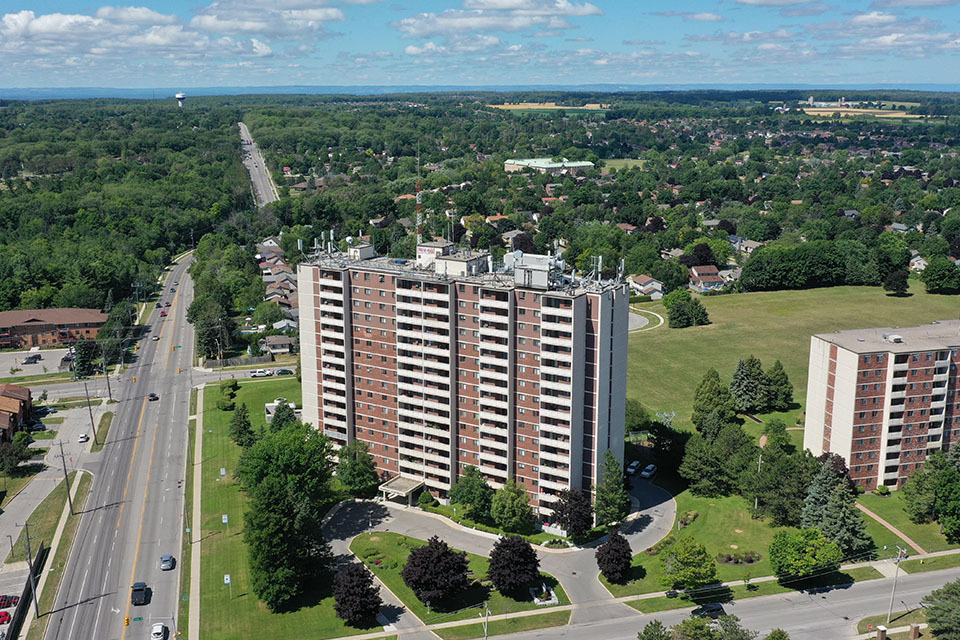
column 83, row 438
column 158, row 631
column 709, row 610
column 138, row 593
column 8, row 601
column 152, row 396
column 632, row 467
column 284, row 372
column 4, row 617
column 166, row 562
column 648, row 471
column 261, row 373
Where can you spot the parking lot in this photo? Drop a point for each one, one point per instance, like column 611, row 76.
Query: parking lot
column 49, row 361
column 12, row 578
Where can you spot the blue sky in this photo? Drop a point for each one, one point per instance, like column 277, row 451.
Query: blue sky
column 184, row 43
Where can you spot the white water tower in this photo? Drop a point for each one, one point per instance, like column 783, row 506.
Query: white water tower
column 180, row 98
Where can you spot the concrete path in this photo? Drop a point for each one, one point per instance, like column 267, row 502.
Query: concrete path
column 892, row 528
column 193, row 612
column 637, row 321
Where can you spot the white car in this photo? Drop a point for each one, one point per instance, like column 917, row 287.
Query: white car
column 83, row 438
column 158, row 631
column 632, row 467
column 261, row 373
column 648, row 471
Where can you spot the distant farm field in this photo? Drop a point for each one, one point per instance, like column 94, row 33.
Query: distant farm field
column 844, row 111
column 547, row 106
column 665, row 365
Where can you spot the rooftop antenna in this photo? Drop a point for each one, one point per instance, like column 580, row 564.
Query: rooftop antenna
column 419, row 201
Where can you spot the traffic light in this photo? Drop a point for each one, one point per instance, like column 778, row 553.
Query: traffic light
column 126, row 621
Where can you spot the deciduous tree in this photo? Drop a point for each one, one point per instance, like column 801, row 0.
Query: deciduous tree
column 687, row 562
column 435, row 572
column 472, row 491
column 357, row 469
column 573, row 512
column 614, row 558
column 356, row 599
column 514, row 565
column 795, row 555
column 510, row 508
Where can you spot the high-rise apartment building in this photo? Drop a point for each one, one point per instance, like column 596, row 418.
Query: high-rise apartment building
column 884, row 398
column 441, row 363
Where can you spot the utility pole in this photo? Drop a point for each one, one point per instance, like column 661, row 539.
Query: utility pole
column 901, row 552
column 66, row 478
column 106, row 374
column 90, row 410
column 756, row 498
column 33, row 577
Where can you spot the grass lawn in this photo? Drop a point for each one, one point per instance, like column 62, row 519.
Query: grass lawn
column 103, row 431
column 43, row 522
column 52, row 377
column 43, row 435
column 510, row 625
column 899, row 619
column 919, row 565
column 448, row 511
column 622, row 163
column 392, row 549
column 664, row 366
column 55, row 420
column 242, row 616
column 183, row 607
column 890, row 509
column 10, row 485
column 55, row 567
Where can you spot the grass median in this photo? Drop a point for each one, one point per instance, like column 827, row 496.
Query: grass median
column 103, row 431
column 501, row 627
column 919, row 565
column 385, row 554
column 43, row 521
column 898, row 619
column 55, row 566
column 186, row 559
column 227, row 613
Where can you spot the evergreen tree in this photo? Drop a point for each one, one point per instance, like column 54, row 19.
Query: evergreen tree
column 514, row 565
column 241, row 431
column 712, row 395
column 943, row 611
column 818, row 495
column 356, row 598
column 357, row 469
column 711, row 425
column 472, row 491
column 283, row 415
column 844, row 525
column 614, row 558
column 703, row 468
column 510, row 508
column 749, row 386
column 573, row 512
column 654, row 630
column 612, row 502
column 780, row 390
column 897, row 282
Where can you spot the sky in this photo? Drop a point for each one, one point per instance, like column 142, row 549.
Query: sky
column 207, row 43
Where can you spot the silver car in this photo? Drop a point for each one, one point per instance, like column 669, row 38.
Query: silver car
column 166, row 562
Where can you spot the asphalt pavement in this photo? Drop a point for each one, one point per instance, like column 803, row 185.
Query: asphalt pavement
column 135, row 509
column 264, row 191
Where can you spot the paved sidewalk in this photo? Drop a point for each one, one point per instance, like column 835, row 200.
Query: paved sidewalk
column 892, row 528
column 193, row 616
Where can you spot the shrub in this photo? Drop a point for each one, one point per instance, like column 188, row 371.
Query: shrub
column 426, row 499
column 882, row 490
column 660, row 546
column 689, row 518
column 639, row 299
column 226, row 405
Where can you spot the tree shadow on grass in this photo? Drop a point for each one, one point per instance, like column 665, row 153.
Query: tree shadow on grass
column 821, row 584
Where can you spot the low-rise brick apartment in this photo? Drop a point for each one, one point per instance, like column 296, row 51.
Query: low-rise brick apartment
column 884, row 398
column 27, row 328
column 15, row 409
column 442, row 362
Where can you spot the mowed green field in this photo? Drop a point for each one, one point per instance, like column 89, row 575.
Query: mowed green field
column 236, row 613
column 622, row 163
column 665, row 365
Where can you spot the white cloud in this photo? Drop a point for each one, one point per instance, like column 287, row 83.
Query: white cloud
column 872, row 19
column 690, row 16
column 771, row 3
column 919, row 4
column 135, row 15
column 430, row 48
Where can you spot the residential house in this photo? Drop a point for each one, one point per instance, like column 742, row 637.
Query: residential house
column 15, row 409
column 277, row 344
column 667, row 254
column 730, row 275
column 628, row 229
column 509, row 237
column 917, row 262
column 644, row 285
column 285, row 325
column 705, row 278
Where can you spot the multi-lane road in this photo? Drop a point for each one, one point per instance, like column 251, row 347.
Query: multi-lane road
column 264, row 191
column 135, row 510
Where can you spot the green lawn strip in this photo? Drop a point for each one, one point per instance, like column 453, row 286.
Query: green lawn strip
column 54, row 420
column 38, row 378
column 770, row 325
column 183, row 606
column 193, row 402
column 62, row 405
column 899, row 619
column 11, row 485
column 919, row 565
column 392, row 549
column 43, row 435
column 103, row 430
column 448, row 511
column 43, row 522
column 54, row 568
column 510, row 625
column 891, row 509
column 224, row 616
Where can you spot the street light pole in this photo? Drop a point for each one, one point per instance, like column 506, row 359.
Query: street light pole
column 66, row 478
column 93, row 427
column 900, row 553
column 33, row 577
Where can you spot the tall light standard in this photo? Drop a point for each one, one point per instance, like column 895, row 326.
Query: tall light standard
column 901, row 554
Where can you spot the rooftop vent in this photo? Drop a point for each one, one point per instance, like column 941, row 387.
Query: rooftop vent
column 893, row 337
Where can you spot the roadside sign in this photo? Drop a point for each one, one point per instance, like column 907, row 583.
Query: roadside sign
column 226, row 578
column 225, row 519
column 223, row 471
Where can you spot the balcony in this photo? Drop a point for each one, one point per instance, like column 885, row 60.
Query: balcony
column 895, row 422
column 894, row 395
column 550, row 484
column 562, row 458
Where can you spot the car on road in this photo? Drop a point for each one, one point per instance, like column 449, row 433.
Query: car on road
column 261, row 373
column 155, row 338
column 159, row 305
column 166, row 304
column 158, row 631
column 166, row 562
column 648, row 471
column 138, row 593
column 152, row 396
column 32, row 359
column 4, row 617
column 176, row 284
column 284, row 372
column 83, row 438
column 172, row 290
column 709, row 610
column 632, row 467
column 163, row 314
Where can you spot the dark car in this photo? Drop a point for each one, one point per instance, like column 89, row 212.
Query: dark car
column 138, row 593
column 166, row 304
column 152, row 397
column 709, row 610
column 159, row 305
column 284, row 372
